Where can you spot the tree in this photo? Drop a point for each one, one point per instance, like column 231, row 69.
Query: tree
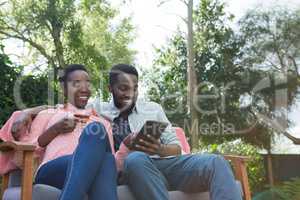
column 31, row 89
column 215, row 53
column 191, row 71
column 272, row 39
column 67, row 31
column 227, row 77
column 9, row 74
column 271, row 43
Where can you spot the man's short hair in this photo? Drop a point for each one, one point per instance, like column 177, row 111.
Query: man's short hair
column 69, row 69
column 121, row 68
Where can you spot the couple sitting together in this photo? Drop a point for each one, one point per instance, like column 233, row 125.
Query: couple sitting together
column 84, row 147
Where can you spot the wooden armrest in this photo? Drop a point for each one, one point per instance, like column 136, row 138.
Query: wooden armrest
column 237, row 157
column 4, row 185
column 240, row 171
column 28, row 166
column 16, row 146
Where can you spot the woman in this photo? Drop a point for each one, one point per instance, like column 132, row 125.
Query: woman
column 80, row 162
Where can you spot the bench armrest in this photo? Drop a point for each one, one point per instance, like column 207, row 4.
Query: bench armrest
column 28, row 166
column 240, row 171
column 16, row 146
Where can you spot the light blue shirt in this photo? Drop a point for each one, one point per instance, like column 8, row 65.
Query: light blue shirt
column 143, row 111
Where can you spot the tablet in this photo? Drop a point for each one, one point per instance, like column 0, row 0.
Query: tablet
column 154, row 128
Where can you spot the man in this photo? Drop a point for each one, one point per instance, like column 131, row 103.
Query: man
column 153, row 168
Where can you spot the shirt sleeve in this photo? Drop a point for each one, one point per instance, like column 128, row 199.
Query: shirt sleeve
column 39, row 124
column 169, row 135
column 120, row 156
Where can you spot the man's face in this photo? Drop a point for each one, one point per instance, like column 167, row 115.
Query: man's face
column 125, row 91
column 78, row 88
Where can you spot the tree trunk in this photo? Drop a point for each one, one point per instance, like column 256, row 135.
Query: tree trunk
column 192, row 79
column 270, row 168
column 56, row 30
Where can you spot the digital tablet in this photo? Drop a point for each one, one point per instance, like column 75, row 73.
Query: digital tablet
column 153, row 128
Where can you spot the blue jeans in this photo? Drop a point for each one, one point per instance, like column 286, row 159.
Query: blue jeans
column 151, row 178
column 90, row 170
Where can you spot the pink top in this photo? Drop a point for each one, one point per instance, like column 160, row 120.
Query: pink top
column 7, row 160
column 64, row 144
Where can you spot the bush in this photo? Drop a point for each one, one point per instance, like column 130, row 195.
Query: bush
column 288, row 190
column 255, row 167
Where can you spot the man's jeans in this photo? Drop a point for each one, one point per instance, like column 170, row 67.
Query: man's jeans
column 151, row 178
column 90, row 170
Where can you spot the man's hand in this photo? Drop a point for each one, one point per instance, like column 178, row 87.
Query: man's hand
column 150, row 146
column 22, row 123
column 128, row 140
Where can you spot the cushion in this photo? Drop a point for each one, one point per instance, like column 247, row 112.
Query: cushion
column 46, row 192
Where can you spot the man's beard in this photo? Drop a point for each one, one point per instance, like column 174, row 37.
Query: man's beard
column 124, row 107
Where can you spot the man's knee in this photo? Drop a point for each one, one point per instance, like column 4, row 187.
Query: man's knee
column 135, row 161
column 213, row 161
column 218, row 159
column 217, row 163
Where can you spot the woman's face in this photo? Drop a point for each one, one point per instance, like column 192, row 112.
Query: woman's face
column 78, row 88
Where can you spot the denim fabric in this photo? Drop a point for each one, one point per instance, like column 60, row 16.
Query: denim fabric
column 150, row 178
column 90, row 170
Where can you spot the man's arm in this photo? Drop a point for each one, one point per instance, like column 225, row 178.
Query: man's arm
column 168, row 145
column 170, row 142
column 23, row 121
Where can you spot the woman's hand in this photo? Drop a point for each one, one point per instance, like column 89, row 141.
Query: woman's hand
column 65, row 125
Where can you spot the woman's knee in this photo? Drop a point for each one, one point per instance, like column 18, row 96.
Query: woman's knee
column 94, row 129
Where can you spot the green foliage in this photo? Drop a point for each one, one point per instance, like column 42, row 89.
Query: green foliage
column 288, row 190
column 217, row 50
column 9, row 74
column 255, row 167
column 33, row 89
column 271, row 39
column 227, row 76
column 69, row 31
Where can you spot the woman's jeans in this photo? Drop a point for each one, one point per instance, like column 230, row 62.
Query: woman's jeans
column 90, row 170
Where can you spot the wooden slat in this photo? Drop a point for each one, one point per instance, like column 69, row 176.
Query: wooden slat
column 245, row 181
column 240, row 172
column 17, row 146
column 236, row 157
column 5, row 180
column 27, row 176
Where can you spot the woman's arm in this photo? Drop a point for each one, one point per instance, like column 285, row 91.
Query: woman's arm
column 65, row 125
